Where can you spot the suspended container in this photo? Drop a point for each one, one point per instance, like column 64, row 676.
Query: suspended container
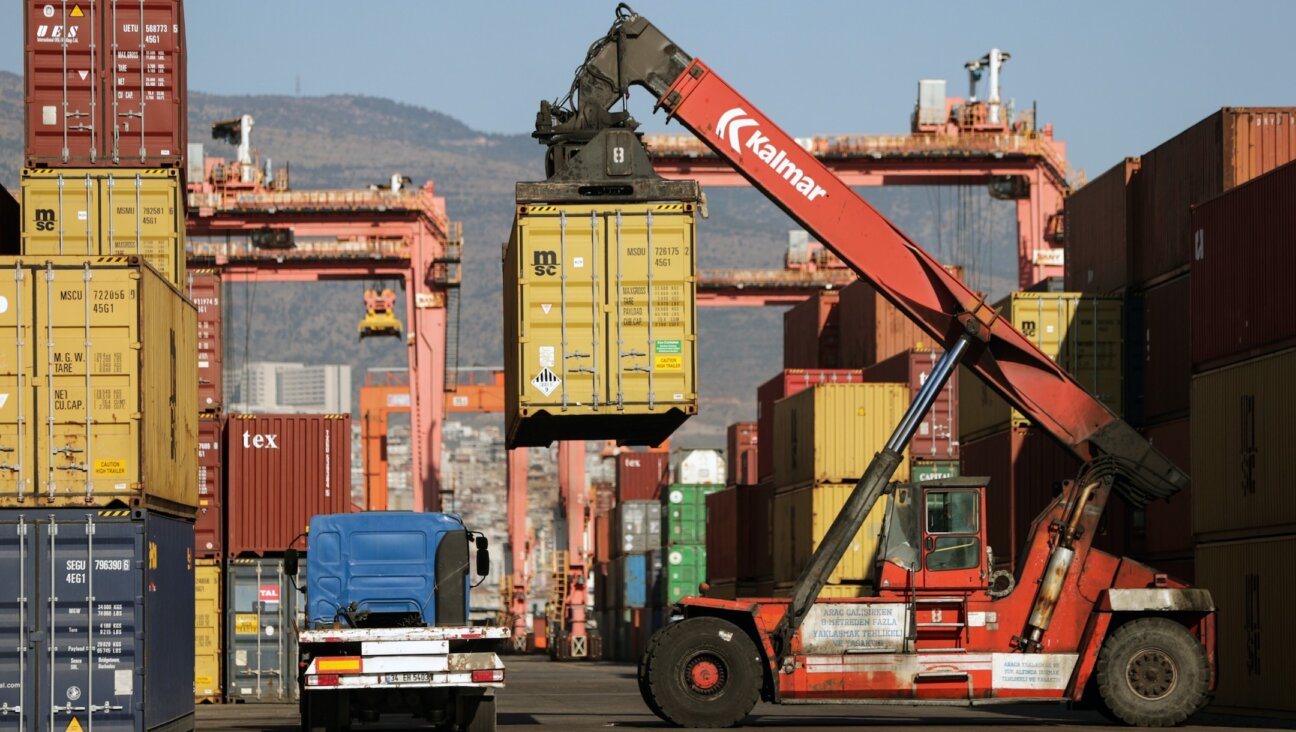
column 102, row 406
column 88, row 211
column 96, row 628
column 599, row 314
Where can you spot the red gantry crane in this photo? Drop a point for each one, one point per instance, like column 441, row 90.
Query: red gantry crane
column 1071, row 623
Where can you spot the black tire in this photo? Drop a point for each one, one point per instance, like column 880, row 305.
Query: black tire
column 642, row 676
column 1153, row 673
column 703, row 672
column 476, row 713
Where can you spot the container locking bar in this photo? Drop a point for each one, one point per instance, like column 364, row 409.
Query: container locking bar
column 868, row 490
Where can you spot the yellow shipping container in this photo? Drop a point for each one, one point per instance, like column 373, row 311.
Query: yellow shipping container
column 600, row 320
column 1240, row 436
column 802, row 517
column 1251, row 583
column 101, row 211
column 208, row 621
column 829, row 433
column 829, row 592
column 100, row 385
column 1083, row 333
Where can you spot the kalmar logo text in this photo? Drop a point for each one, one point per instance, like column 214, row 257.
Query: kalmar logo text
column 735, row 121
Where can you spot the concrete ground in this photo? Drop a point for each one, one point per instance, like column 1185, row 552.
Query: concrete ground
column 597, row 696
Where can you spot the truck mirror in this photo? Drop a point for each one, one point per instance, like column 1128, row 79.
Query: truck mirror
column 482, row 544
column 483, row 558
column 290, row 562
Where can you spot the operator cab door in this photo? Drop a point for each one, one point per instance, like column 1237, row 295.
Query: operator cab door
column 952, row 527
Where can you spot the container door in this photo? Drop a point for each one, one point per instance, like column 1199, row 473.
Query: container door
column 63, row 81
column 90, row 585
column 650, row 349
column 17, row 468
column 258, row 605
column 88, row 371
column 60, row 212
column 142, row 44
column 17, row 619
column 141, row 216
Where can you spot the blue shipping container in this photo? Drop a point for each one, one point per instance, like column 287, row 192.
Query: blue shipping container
column 390, row 563
column 99, row 618
column 640, row 578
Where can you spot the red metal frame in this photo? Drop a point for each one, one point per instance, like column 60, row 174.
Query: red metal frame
column 351, row 235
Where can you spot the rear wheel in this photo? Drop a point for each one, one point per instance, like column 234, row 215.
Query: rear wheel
column 1153, row 673
column 325, row 711
column 702, row 672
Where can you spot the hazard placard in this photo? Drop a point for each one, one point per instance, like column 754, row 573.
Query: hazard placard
column 74, row 726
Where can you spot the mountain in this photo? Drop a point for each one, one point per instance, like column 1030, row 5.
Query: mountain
column 352, row 141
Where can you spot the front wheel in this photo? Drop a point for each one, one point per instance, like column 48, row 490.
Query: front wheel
column 702, row 672
column 1153, row 673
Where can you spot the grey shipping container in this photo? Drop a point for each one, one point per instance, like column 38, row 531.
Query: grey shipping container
column 97, row 597
column 263, row 610
column 636, row 527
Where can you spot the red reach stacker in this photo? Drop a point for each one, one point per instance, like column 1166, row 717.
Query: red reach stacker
column 1069, row 624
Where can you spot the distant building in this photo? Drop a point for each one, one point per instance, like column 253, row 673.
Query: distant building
column 280, row 387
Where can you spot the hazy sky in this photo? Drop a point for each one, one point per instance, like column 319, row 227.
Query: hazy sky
column 1115, row 78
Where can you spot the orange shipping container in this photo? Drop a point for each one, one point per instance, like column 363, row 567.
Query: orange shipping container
column 205, row 294
column 1167, row 529
column 872, row 329
column 811, row 333
column 722, row 530
column 741, row 457
column 1099, row 227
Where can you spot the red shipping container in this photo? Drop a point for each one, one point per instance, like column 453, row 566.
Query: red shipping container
column 755, row 532
column 790, row 382
column 1167, row 526
column 1227, row 149
column 604, row 497
column 742, row 454
column 1244, row 254
column 811, row 334
column 937, row 437
column 209, row 526
column 282, row 469
column 106, row 83
column 640, row 476
column 1025, row 468
column 872, row 329
column 205, row 294
column 1099, row 227
column 1167, row 367
column 722, row 529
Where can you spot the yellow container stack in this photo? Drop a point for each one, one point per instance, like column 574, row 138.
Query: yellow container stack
column 209, row 619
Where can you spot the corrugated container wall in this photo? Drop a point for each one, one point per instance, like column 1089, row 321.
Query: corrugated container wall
column 698, row 467
column 89, row 211
column 134, row 603
column 108, row 374
column 937, row 437
column 636, row 527
column 603, row 330
column 756, row 532
column 811, row 333
column 1165, row 352
column 1082, row 333
column 787, row 383
column 1226, row 149
column 602, row 538
column 106, row 83
column 261, row 609
column 1167, row 529
column 641, row 475
column 741, row 454
column 205, row 293
column 282, row 469
column 209, row 527
column 604, row 496
column 1244, row 253
column 722, row 531
column 829, row 433
column 1241, row 448
column 684, row 513
column 209, row 617
column 1099, row 230
column 873, row 329
column 801, row 519
column 1251, row 584
column 683, row 571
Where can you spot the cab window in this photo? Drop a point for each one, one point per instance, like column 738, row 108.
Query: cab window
column 952, row 523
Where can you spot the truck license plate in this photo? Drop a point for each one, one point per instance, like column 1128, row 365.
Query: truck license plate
column 410, row 678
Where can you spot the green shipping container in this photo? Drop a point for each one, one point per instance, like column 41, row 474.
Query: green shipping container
column 684, row 513
column 921, row 470
column 684, row 571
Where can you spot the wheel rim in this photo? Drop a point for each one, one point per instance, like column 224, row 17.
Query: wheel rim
column 705, row 674
column 1152, row 673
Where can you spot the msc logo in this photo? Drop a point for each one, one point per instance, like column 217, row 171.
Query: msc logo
column 45, row 220
column 730, row 127
column 545, row 263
